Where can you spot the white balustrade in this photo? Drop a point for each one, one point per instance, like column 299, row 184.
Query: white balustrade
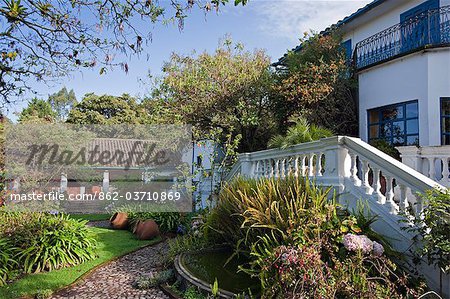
column 350, row 165
column 432, row 161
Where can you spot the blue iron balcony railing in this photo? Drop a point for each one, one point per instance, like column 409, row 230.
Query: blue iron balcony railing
column 429, row 29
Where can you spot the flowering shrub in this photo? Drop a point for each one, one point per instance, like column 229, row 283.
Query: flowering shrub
column 362, row 243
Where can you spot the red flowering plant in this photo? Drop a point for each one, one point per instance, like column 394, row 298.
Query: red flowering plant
column 300, row 270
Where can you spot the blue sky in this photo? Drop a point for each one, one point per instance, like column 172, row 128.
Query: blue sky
column 273, row 25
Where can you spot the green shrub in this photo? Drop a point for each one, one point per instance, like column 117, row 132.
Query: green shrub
column 184, row 244
column 302, row 131
column 432, row 229
column 46, row 242
column 167, row 221
column 248, row 209
column 193, row 293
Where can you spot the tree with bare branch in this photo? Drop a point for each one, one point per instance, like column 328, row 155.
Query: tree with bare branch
column 46, row 39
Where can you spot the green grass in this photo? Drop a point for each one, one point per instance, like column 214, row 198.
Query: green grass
column 112, row 243
column 91, row 217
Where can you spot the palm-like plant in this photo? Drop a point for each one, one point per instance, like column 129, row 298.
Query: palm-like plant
column 302, row 131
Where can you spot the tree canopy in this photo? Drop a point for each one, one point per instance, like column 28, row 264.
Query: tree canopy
column 225, row 94
column 316, row 83
column 106, row 110
column 62, row 102
column 47, row 39
column 37, row 110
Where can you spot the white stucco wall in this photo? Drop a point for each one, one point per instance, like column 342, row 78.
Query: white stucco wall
column 422, row 76
column 438, row 86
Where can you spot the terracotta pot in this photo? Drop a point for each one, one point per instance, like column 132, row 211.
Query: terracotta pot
column 96, row 189
column 146, row 230
column 119, row 221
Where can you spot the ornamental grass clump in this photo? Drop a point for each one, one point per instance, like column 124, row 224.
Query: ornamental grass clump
column 37, row 242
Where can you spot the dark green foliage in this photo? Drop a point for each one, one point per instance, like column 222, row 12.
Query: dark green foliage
column 386, row 148
column 193, row 293
column 37, row 109
column 433, row 228
column 106, row 110
column 7, row 260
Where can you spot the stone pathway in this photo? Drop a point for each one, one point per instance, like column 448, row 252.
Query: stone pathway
column 115, row 280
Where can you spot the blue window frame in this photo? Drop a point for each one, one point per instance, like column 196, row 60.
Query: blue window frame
column 445, row 121
column 397, row 124
column 347, row 47
column 419, row 27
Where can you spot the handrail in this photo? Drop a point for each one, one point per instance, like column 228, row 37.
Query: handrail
column 402, row 172
column 431, row 28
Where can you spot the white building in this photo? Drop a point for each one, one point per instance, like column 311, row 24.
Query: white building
column 400, row 49
column 401, row 52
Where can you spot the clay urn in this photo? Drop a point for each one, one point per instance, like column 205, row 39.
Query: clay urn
column 119, row 221
column 146, row 230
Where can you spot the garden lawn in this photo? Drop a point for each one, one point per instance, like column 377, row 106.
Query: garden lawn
column 91, row 217
column 111, row 244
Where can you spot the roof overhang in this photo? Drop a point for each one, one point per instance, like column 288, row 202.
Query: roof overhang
column 363, row 15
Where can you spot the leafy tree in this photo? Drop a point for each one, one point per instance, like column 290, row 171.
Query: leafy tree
column 300, row 132
column 45, row 39
column 106, row 109
column 62, row 102
column 316, row 84
column 224, row 94
column 37, row 110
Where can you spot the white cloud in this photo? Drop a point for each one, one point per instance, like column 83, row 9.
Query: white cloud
column 291, row 18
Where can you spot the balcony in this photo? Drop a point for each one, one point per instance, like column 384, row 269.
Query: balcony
column 427, row 30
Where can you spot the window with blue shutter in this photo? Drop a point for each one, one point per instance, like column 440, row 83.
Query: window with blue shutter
column 347, row 47
column 419, row 28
